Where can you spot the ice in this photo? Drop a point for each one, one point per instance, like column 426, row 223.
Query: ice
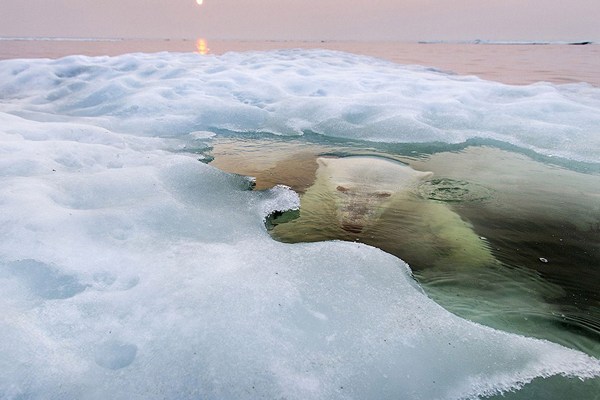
column 41, row 280
column 115, row 354
column 507, row 42
column 130, row 270
column 293, row 91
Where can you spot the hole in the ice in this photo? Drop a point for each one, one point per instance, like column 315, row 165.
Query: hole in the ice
column 110, row 282
column 281, row 217
column 115, row 354
column 42, row 280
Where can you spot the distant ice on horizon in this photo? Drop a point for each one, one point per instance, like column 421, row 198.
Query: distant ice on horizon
column 510, row 42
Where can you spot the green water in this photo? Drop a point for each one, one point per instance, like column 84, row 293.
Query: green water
column 494, row 236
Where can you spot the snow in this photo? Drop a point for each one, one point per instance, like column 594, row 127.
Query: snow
column 293, row 91
column 129, row 270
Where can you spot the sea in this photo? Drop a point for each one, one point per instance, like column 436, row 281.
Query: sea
column 227, row 219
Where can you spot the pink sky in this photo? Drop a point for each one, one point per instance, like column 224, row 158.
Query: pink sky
column 407, row 20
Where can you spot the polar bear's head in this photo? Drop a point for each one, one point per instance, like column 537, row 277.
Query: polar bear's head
column 362, row 186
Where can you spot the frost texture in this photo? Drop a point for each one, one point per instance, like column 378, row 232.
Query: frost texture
column 292, row 91
column 132, row 271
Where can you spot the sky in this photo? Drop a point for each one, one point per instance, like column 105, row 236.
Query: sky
column 404, row 20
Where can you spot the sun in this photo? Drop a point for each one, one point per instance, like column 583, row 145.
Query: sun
column 199, row 2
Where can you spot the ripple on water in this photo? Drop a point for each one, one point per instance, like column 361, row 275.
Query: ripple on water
column 452, row 190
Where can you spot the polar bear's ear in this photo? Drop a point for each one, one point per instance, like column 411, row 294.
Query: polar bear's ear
column 425, row 175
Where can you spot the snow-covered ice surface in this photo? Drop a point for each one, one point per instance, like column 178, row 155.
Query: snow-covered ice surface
column 129, row 270
column 292, row 91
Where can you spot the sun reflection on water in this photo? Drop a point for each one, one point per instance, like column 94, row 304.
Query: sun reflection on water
column 202, row 45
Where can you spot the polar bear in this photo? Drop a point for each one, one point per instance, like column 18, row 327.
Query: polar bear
column 375, row 199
